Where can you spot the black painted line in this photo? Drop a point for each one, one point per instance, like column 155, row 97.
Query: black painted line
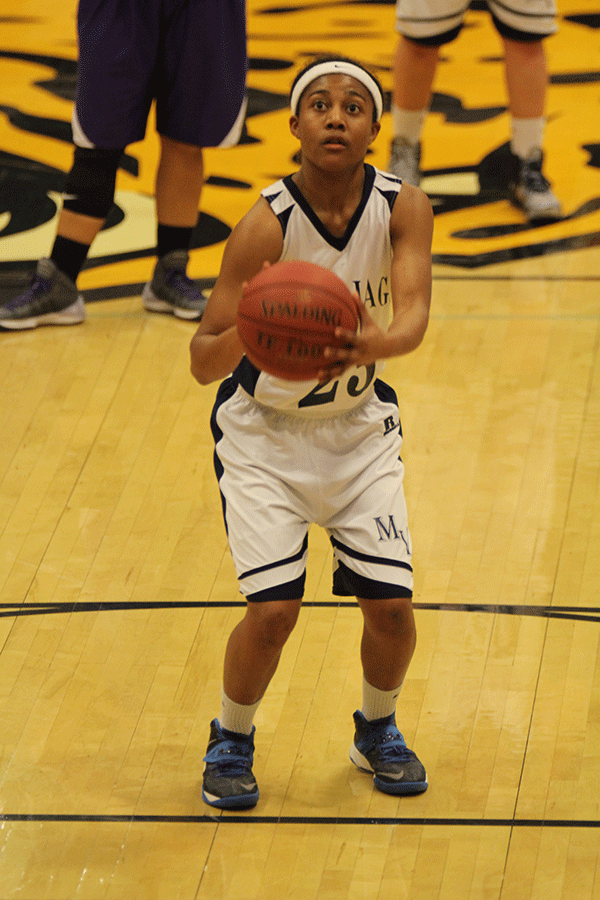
column 577, row 613
column 231, row 818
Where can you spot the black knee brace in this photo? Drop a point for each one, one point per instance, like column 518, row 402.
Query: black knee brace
column 90, row 185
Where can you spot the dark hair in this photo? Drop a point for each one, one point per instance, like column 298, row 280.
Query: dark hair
column 336, row 57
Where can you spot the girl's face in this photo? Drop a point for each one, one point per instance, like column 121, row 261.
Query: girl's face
column 335, row 122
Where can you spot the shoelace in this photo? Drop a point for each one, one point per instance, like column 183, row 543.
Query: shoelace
column 231, row 757
column 38, row 285
column 392, row 746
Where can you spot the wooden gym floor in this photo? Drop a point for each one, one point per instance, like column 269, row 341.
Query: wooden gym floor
column 117, row 593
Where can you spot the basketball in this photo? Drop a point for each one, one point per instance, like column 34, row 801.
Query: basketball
column 288, row 314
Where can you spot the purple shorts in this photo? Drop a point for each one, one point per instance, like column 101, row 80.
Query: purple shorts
column 189, row 55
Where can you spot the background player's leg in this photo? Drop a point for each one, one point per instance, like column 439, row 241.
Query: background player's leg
column 179, row 181
column 413, row 75
column 526, row 84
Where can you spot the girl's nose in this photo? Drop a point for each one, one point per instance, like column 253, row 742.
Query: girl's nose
column 335, row 118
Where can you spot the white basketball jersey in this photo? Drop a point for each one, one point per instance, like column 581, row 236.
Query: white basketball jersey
column 361, row 258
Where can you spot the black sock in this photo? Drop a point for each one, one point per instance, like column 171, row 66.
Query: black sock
column 69, row 256
column 171, row 237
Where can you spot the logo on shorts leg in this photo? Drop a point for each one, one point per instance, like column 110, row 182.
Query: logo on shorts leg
column 390, row 424
column 389, row 532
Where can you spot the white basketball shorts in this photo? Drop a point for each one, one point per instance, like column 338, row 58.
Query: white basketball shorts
column 426, row 19
column 279, row 473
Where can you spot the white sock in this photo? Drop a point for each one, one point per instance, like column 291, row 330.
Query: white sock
column 527, row 135
column 378, row 704
column 408, row 123
column 236, row 716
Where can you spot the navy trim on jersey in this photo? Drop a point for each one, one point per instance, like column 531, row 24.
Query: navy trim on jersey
column 342, row 242
column 284, row 217
column 390, row 196
column 285, row 214
column 270, row 198
column 246, row 375
column 227, row 389
column 386, row 393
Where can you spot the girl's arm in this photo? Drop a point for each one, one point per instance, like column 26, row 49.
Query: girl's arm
column 215, row 348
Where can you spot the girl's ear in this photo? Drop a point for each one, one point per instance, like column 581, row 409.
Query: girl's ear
column 375, row 130
column 294, row 125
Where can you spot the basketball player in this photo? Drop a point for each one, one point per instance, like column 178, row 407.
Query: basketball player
column 191, row 56
column 426, row 25
column 288, row 454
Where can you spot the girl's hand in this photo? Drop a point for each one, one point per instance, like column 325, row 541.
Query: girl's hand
column 362, row 348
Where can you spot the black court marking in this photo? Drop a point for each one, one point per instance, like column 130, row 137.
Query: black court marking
column 573, row 613
column 235, row 819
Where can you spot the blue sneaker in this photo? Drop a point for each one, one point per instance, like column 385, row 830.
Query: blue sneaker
column 228, row 782
column 171, row 291
column 380, row 748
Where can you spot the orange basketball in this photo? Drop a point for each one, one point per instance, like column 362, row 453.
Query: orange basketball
column 288, row 315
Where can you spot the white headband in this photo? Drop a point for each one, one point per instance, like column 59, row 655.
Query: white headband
column 337, row 67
